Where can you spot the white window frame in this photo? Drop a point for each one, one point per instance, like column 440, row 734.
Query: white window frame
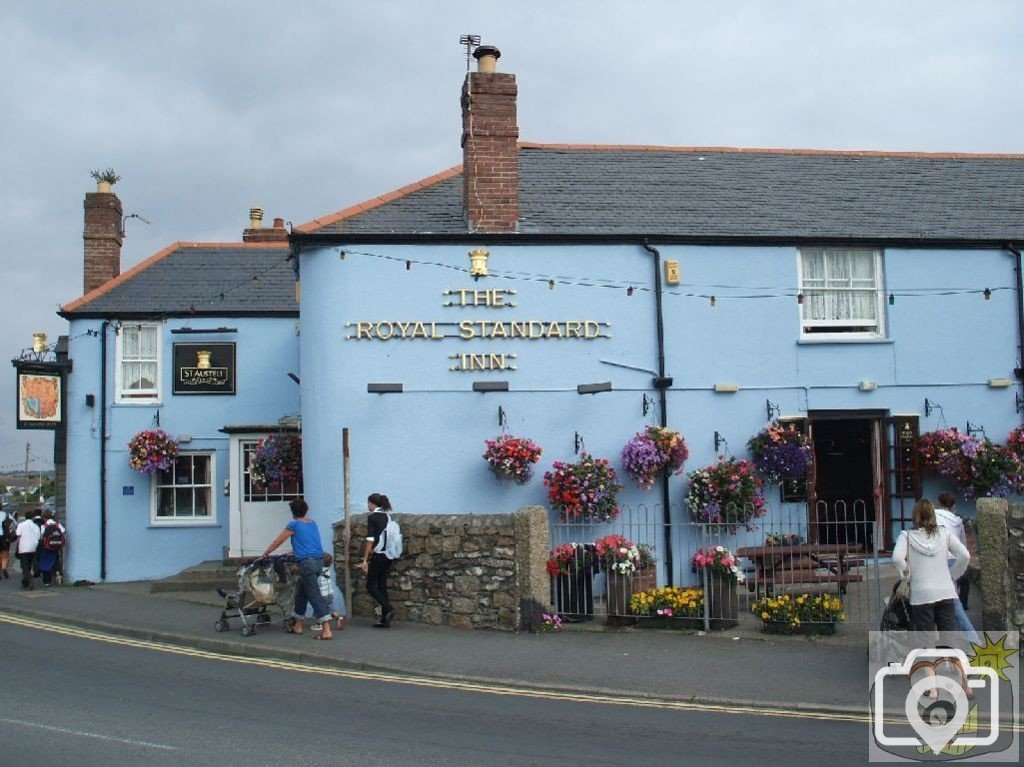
column 848, row 329
column 253, row 492
column 187, row 520
column 138, row 396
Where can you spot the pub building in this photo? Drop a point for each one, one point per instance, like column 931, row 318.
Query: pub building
column 570, row 294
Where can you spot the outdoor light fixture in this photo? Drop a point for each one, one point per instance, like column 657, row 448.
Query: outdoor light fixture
column 478, row 263
column 484, row 386
column 999, row 383
column 39, row 342
column 727, row 388
column 384, row 388
column 594, row 388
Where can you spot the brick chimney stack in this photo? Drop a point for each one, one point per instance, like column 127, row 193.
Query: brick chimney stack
column 256, row 232
column 103, row 236
column 490, row 154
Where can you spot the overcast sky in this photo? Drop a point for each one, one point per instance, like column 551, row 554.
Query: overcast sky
column 209, row 107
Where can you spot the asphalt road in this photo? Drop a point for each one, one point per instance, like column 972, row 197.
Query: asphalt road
column 82, row 700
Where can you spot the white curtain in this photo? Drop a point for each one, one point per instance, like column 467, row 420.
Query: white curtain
column 839, row 285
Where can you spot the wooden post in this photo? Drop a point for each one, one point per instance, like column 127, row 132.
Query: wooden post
column 348, row 518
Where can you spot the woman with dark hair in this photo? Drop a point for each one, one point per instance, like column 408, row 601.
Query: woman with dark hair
column 309, row 555
column 378, row 565
column 924, row 554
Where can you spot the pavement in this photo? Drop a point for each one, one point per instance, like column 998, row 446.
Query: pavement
column 733, row 668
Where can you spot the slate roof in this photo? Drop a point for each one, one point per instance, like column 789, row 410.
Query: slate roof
column 715, row 192
column 201, row 279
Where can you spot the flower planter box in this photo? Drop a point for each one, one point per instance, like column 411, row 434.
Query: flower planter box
column 804, row 629
column 620, row 588
column 670, row 622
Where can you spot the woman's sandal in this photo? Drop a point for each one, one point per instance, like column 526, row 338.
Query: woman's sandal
column 322, row 637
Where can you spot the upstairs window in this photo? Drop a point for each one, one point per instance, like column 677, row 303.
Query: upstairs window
column 138, row 362
column 842, row 293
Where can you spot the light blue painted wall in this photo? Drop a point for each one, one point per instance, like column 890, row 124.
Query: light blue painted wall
column 266, row 350
column 423, row 447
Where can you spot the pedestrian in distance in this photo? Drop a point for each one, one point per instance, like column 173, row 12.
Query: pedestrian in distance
column 8, row 524
column 309, row 556
column 28, row 541
column 383, row 545
column 52, row 539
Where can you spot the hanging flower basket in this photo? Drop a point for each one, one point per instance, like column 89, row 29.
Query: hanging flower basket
column 651, row 452
column 277, row 460
column 975, row 467
column 727, row 493
column 151, row 451
column 781, row 452
column 585, row 491
column 512, row 457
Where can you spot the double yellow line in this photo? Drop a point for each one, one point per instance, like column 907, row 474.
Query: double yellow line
column 441, row 684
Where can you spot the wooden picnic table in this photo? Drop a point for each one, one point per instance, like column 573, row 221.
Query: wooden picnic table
column 803, row 563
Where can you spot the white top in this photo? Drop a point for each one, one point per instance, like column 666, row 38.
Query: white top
column 926, row 557
column 949, row 520
column 28, row 533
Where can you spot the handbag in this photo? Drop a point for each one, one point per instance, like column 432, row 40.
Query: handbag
column 902, row 589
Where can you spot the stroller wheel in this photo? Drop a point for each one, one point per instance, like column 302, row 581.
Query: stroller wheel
column 248, row 631
column 221, row 625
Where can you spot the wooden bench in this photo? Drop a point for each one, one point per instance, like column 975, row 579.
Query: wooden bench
column 804, row 563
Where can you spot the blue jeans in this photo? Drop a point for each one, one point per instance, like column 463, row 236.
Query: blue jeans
column 308, row 590
column 963, row 623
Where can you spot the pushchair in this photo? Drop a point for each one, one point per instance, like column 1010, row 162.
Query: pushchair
column 265, row 595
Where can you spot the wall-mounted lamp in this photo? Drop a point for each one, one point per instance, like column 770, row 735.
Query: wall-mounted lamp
column 294, row 377
column 774, row 411
column 727, row 388
column 484, row 386
column 867, row 385
column 90, row 400
column 384, row 388
column 183, row 438
column 594, row 388
column 999, row 383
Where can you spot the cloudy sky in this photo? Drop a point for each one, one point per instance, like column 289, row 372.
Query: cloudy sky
column 208, row 107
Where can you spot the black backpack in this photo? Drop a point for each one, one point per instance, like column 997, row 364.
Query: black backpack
column 53, row 537
column 9, row 528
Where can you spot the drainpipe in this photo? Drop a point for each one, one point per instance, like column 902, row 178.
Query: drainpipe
column 103, row 449
column 661, row 383
column 1019, row 370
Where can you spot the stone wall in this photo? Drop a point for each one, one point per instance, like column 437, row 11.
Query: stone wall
column 465, row 571
column 1001, row 551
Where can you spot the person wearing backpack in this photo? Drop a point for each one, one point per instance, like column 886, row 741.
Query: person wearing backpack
column 382, row 546
column 8, row 524
column 28, row 541
column 52, row 539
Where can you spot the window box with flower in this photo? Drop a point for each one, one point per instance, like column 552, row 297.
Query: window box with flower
column 571, row 567
column 151, row 451
column 800, row 614
column 669, row 607
column 585, row 491
column 726, row 495
column 651, row 452
column 512, row 457
column 721, row 572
